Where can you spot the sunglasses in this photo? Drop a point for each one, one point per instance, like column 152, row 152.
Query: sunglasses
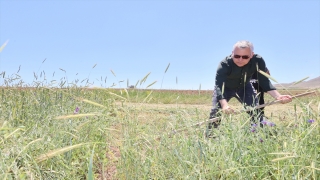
column 243, row 57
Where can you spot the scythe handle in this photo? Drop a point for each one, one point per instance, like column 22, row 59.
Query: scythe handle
column 277, row 101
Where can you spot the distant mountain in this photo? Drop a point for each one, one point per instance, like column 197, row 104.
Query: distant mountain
column 312, row 83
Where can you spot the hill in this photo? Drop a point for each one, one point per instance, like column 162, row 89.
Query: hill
column 312, row 83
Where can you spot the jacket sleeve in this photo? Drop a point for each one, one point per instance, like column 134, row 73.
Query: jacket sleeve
column 267, row 71
column 264, row 81
column 221, row 77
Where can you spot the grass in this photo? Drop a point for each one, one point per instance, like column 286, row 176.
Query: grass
column 127, row 134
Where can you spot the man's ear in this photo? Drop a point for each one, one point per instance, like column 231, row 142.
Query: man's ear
column 252, row 54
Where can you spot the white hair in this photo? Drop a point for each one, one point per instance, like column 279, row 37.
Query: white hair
column 243, row 44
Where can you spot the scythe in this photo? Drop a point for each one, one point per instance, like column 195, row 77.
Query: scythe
column 257, row 107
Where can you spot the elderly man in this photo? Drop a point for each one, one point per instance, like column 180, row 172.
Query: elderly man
column 233, row 80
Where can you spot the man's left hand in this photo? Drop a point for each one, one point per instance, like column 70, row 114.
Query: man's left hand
column 284, row 98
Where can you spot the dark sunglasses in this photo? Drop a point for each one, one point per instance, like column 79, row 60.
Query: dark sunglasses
column 243, row 57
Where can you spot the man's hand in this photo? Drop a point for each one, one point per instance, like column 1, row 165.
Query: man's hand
column 284, row 98
column 225, row 107
column 228, row 110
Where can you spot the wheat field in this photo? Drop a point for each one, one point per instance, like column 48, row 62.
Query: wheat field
column 95, row 133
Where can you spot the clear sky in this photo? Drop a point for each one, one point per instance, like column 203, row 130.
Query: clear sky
column 133, row 38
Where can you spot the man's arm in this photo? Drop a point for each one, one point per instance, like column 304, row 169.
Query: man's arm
column 282, row 98
column 221, row 77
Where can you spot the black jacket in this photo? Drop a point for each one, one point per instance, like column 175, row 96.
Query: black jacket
column 235, row 77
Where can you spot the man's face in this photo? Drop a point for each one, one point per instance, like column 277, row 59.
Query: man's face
column 241, row 56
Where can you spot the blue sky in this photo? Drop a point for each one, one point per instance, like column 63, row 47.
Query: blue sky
column 133, row 38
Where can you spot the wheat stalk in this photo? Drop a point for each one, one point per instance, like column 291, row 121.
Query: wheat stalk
column 282, row 153
column 267, row 75
column 298, row 81
column 282, row 158
column 4, row 45
column 113, row 73
column 57, row 152
column 113, row 94
column 144, row 78
column 164, row 74
column 147, row 97
column 151, row 84
column 222, row 91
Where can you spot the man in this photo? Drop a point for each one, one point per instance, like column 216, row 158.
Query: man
column 233, row 80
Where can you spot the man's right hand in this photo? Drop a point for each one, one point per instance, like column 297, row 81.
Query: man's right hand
column 225, row 107
column 228, row 110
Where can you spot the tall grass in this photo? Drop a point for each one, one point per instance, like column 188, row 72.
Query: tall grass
column 86, row 133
